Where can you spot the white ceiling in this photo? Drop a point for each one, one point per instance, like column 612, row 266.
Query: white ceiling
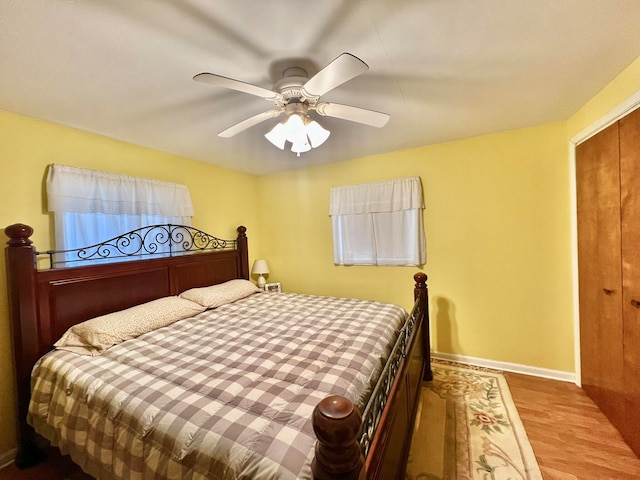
column 443, row 69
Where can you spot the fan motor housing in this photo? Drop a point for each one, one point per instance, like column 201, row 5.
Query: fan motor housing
column 290, row 86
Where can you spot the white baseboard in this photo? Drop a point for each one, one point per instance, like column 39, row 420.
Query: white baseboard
column 7, row 458
column 508, row 367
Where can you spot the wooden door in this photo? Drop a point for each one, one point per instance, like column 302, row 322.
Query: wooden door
column 630, row 226
column 600, row 276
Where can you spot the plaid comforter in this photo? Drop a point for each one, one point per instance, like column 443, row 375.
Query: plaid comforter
column 227, row 394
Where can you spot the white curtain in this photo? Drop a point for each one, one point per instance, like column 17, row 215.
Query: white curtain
column 90, row 206
column 378, row 223
column 79, row 190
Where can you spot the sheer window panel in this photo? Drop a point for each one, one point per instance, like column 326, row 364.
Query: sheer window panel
column 352, row 242
column 91, row 207
column 406, row 249
column 378, row 223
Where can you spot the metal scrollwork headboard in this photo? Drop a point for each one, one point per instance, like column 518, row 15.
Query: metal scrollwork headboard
column 153, row 240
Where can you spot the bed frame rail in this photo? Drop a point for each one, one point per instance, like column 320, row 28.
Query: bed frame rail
column 375, row 445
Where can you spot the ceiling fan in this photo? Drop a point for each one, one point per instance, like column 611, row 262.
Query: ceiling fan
column 295, row 95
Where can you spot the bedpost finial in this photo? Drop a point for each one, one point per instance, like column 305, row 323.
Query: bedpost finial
column 242, row 231
column 18, row 234
column 420, row 278
column 336, row 423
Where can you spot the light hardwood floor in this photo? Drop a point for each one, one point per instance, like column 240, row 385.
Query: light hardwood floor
column 571, row 437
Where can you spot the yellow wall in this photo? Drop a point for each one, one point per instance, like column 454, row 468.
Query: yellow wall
column 222, row 200
column 498, row 242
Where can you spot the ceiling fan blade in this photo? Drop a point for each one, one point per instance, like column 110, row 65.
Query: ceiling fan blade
column 354, row 114
column 220, row 81
column 342, row 69
column 249, row 122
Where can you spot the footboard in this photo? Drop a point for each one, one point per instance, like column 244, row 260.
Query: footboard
column 375, row 445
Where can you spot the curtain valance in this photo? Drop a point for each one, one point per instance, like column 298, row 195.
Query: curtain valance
column 71, row 189
column 385, row 196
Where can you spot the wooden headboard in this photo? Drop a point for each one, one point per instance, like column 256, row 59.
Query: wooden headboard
column 43, row 304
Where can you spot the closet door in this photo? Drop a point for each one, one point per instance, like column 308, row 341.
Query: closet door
column 600, row 276
column 630, row 209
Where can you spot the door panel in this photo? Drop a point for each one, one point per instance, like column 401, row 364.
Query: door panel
column 600, row 275
column 630, row 226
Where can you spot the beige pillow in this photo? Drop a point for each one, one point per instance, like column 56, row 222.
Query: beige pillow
column 96, row 335
column 221, row 294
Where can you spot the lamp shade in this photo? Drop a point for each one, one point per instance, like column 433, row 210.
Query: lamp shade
column 277, row 136
column 317, row 133
column 300, row 146
column 301, row 131
column 260, row 267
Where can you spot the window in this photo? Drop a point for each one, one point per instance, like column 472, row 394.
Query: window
column 378, row 223
column 90, row 206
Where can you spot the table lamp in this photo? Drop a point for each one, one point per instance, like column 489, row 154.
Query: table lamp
column 260, row 268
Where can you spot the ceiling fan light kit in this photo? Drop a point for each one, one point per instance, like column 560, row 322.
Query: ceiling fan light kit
column 299, row 129
column 295, row 94
column 292, row 130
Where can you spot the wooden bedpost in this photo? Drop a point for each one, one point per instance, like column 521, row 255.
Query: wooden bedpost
column 336, row 423
column 420, row 293
column 21, row 269
column 244, row 252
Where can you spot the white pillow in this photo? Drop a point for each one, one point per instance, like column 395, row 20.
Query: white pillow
column 96, row 335
column 221, row 294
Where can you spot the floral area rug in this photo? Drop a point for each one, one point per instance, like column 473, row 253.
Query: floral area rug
column 468, row 428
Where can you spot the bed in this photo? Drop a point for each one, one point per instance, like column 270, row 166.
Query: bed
column 322, row 415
